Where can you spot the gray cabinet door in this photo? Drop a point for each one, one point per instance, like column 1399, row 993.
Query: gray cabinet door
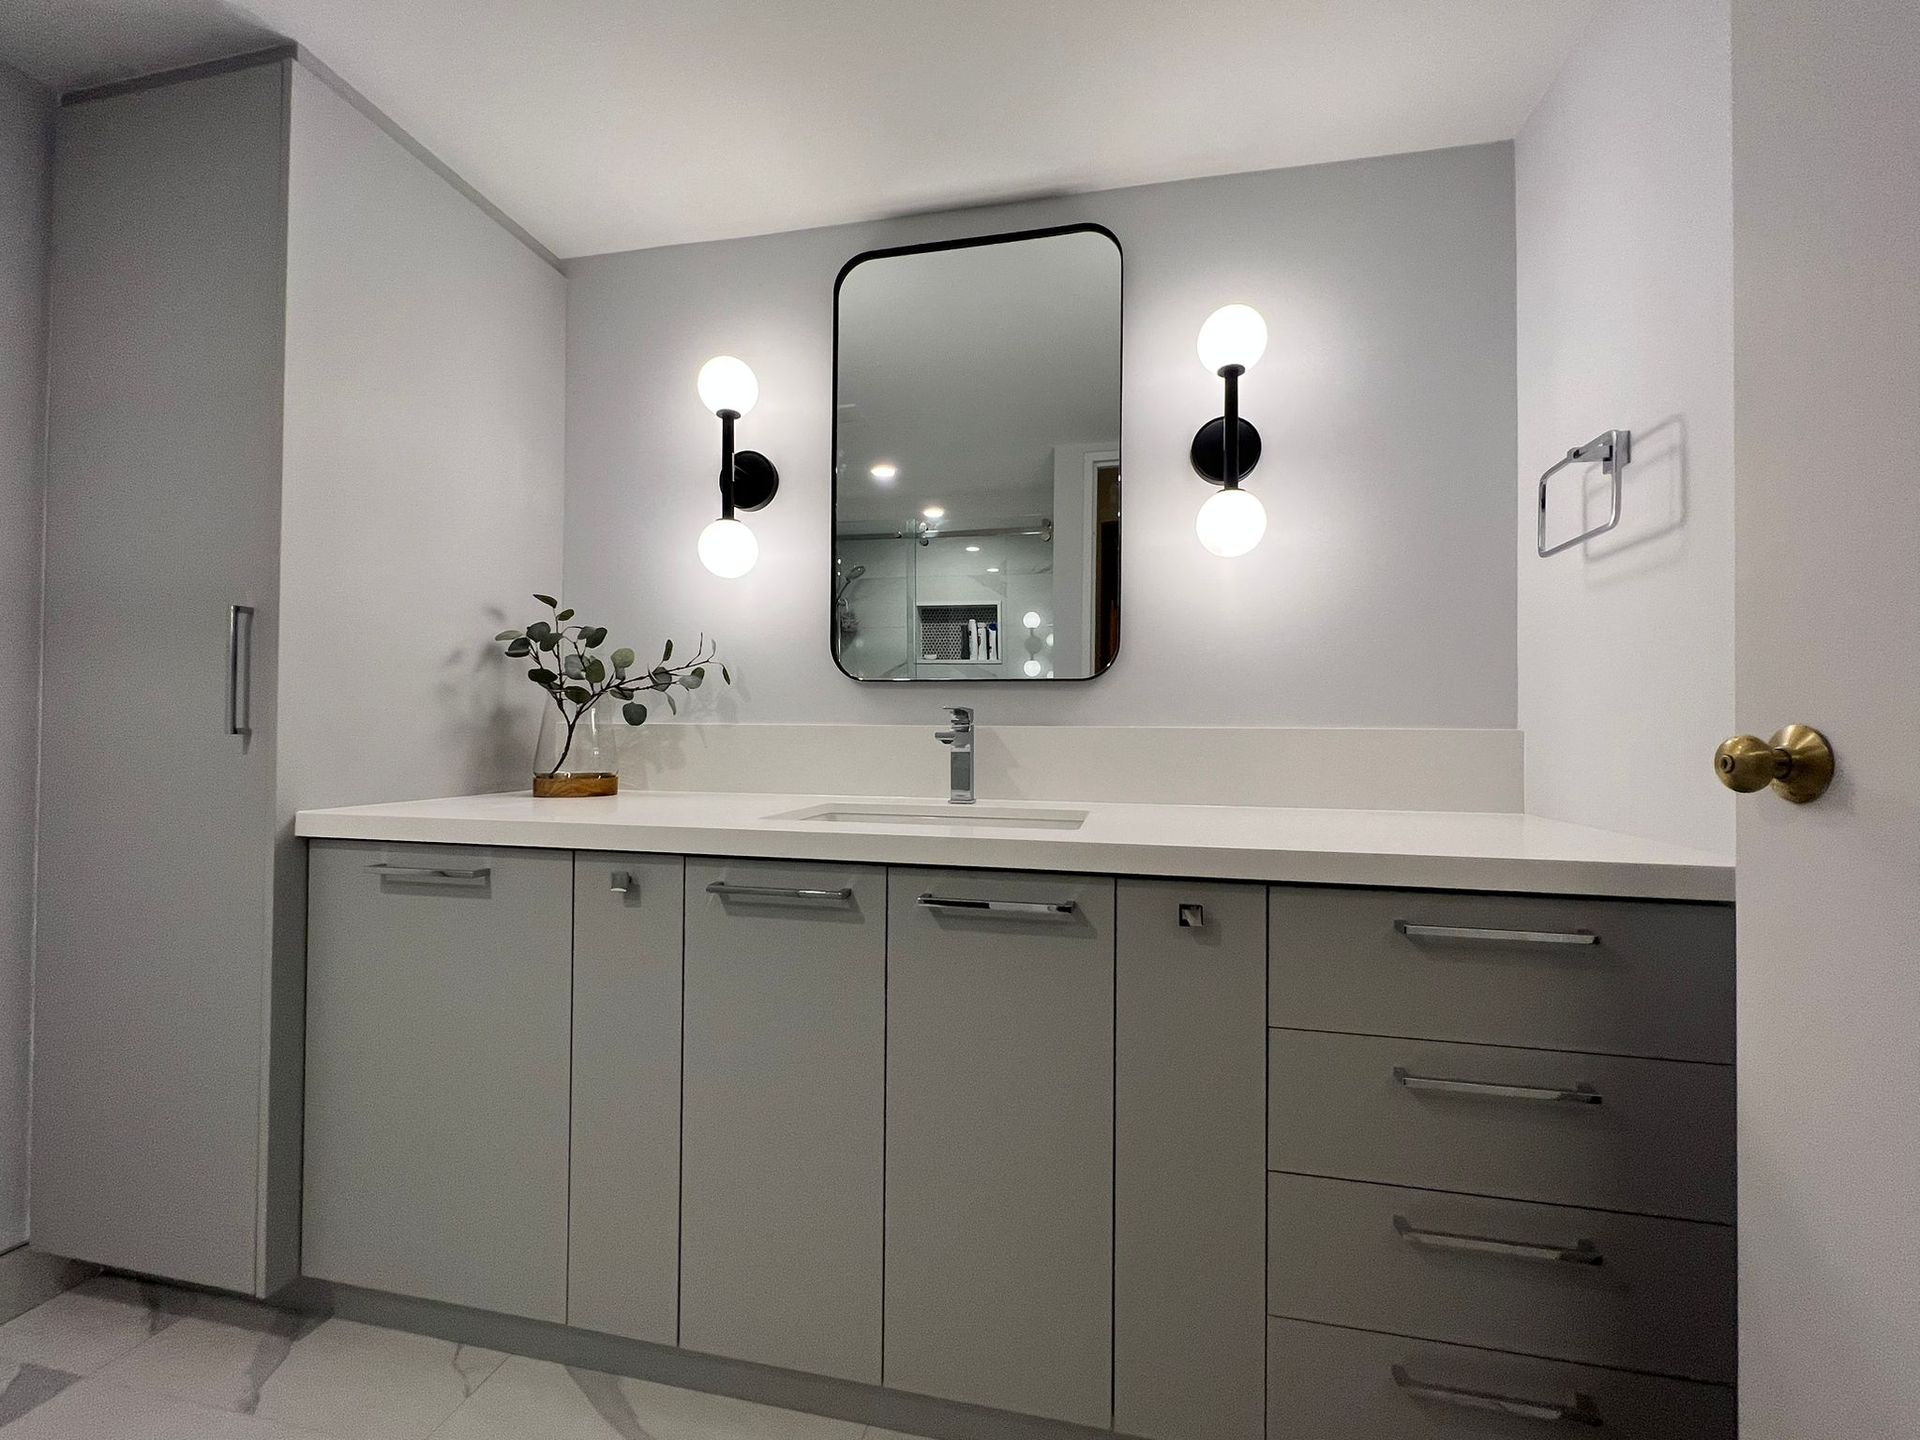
column 1619, row 977
column 1651, row 1136
column 1000, row 1141
column 437, row 1036
column 1333, row 1384
column 782, row 1125
column 156, row 823
column 1190, row 1169
column 623, row 1250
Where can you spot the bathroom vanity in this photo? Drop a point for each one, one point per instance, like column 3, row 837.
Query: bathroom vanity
column 1184, row 1122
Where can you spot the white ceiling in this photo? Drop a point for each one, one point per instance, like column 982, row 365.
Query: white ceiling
column 612, row 124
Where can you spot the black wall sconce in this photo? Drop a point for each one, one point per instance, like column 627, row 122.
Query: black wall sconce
column 1226, row 450
column 748, row 480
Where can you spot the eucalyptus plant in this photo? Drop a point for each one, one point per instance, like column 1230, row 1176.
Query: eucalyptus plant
column 568, row 666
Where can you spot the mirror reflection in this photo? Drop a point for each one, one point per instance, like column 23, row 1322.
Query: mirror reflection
column 977, row 460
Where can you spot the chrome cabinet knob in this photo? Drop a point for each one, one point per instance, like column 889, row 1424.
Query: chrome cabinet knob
column 1797, row 762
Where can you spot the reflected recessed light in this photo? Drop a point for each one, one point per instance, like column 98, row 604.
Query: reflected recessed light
column 885, row 470
column 973, row 549
column 934, row 512
column 993, row 569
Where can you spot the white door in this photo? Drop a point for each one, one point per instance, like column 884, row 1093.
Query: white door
column 1826, row 143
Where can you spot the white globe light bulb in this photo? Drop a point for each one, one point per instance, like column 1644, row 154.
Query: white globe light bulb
column 728, row 549
column 1233, row 335
column 1032, row 669
column 1231, row 523
column 727, row 384
column 1031, row 619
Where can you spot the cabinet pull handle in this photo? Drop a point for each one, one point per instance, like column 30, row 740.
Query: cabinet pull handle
column 977, row 906
column 1580, row 1410
column 239, row 665
column 776, row 892
column 621, row 882
column 429, row 875
column 1415, row 931
column 1578, row 1094
column 1581, row 1252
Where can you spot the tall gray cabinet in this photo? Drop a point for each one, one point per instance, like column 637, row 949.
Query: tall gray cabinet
column 206, row 284
column 156, row 900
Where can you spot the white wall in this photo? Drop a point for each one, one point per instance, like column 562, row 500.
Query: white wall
column 1622, row 182
column 423, row 456
column 25, row 147
column 1383, row 594
column 1826, row 184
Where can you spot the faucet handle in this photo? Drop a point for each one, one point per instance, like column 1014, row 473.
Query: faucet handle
column 962, row 716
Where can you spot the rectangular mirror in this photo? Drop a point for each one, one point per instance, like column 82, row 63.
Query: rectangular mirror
column 976, row 489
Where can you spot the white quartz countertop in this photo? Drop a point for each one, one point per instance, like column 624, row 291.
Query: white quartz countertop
column 1442, row 850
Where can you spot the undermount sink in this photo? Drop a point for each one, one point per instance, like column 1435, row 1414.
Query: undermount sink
column 932, row 812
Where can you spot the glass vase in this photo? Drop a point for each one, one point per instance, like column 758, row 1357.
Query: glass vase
column 581, row 758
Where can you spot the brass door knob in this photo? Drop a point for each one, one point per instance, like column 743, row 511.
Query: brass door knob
column 1797, row 762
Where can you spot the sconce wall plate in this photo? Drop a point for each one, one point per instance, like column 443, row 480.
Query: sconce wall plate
column 755, row 480
column 1208, row 452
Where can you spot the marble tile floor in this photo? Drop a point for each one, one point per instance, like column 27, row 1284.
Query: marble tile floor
column 118, row 1359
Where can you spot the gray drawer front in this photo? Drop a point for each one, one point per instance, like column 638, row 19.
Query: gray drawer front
column 782, row 1116
column 1660, row 1142
column 437, row 1073
column 623, row 1241
column 1329, row 1384
column 1658, row 981
column 1000, row 1144
column 1190, row 1162
column 1656, row 1295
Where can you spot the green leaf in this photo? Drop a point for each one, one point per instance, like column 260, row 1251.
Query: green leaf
column 508, row 635
column 542, row 676
column 539, row 628
column 623, row 692
column 596, row 672
column 548, row 642
column 670, row 705
column 564, row 615
column 661, row 678
column 634, row 713
column 622, row 659
column 522, row 646
column 667, row 654
column 594, row 637
column 725, row 676
column 578, row 694
column 573, row 668
column 548, row 601
column 694, row 677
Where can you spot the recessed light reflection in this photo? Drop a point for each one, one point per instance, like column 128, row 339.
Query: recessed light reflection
column 934, row 512
column 885, row 470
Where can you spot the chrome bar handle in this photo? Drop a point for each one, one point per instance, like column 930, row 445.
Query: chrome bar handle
column 1580, row 1410
column 775, row 892
column 431, row 875
column 622, row 882
column 1577, row 1094
column 1581, row 1252
column 239, row 660
column 1416, row 931
column 976, row 906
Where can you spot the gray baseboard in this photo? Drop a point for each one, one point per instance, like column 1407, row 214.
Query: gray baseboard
column 816, row 1394
column 28, row 1277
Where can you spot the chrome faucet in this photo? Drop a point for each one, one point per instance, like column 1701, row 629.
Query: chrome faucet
column 960, row 739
